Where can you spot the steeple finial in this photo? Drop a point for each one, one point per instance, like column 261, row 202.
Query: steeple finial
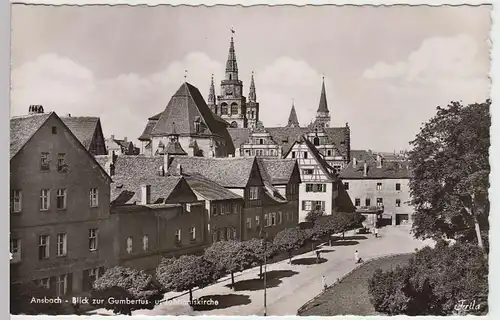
column 185, row 75
column 323, row 106
column 211, row 94
column 293, row 121
column 231, row 64
column 252, row 96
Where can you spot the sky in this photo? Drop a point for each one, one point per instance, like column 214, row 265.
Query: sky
column 386, row 69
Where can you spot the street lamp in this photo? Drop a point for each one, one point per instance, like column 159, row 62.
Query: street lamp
column 263, row 236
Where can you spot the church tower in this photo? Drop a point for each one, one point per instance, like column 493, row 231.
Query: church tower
column 323, row 115
column 211, row 102
column 252, row 105
column 293, row 121
column 231, row 102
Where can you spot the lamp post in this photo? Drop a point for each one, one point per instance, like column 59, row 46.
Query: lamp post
column 263, row 236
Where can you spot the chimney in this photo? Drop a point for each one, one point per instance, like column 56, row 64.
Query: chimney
column 68, row 115
column 145, row 194
column 365, row 169
column 110, row 168
column 179, row 170
column 112, row 137
column 379, row 161
column 161, row 171
column 34, row 109
column 166, row 161
column 354, row 162
column 125, row 139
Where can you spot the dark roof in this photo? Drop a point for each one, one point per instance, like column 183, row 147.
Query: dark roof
column 175, row 148
column 131, row 172
column 389, row 170
column 209, row 189
column 184, row 108
column 362, row 155
column 279, row 170
column 83, row 128
column 292, row 118
column 271, row 193
column 286, row 136
column 146, row 134
column 323, row 106
column 228, row 172
column 22, row 128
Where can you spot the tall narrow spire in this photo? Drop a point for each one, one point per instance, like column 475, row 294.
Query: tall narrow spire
column 211, row 93
column 252, row 96
column 323, row 106
column 293, row 121
column 231, row 64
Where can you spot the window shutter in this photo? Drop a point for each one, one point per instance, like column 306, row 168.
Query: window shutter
column 69, row 286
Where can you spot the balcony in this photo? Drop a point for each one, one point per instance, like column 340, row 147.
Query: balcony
column 370, row 209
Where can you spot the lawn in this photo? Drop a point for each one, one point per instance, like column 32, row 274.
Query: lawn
column 350, row 296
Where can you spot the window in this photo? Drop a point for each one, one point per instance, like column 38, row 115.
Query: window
column 307, row 171
column 44, row 199
column 94, row 274
column 54, row 130
column 235, row 208
column 178, row 236
column 16, row 199
column 271, row 152
column 61, row 285
column 398, row 202
column 229, row 233
column 187, row 207
column 43, row 247
column 357, row 202
column 249, row 223
column 329, row 153
column 223, row 110
column 234, row 108
column 197, row 126
column 367, row 202
column 15, row 249
column 93, row 239
column 398, row 186
column 192, row 233
column 145, row 243
column 279, row 217
column 61, row 162
column 305, row 155
column 258, row 152
column 306, row 205
column 316, row 141
column 94, row 197
column 379, row 186
column 214, row 210
column 273, row 218
column 234, row 233
column 61, row 244
column 44, row 161
column 254, row 193
column 315, row 187
column 380, row 202
column 257, row 220
column 266, row 220
column 293, row 154
column 44, row 283
column 61, row 199
column 346, row 185
column 215, row 236
column 261, row 141
column 318, row 205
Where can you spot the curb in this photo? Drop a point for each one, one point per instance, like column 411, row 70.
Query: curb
column 305, row 305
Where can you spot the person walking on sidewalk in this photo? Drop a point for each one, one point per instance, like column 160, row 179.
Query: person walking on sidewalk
column 376, row 232
column 357, row 259
column 323, row 280
column 318, row 255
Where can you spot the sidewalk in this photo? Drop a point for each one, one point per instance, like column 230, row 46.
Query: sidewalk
column 292, row 285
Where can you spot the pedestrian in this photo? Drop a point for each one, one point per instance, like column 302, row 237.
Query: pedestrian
column 376, row 232
column 318, row 255
column 357, row 259
column 323, row 280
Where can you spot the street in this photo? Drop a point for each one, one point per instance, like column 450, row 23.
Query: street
column 292, row 285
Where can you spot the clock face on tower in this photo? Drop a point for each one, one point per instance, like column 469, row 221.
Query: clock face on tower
column 229, row 91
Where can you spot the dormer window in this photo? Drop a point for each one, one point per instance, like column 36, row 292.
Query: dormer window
column 316, row 141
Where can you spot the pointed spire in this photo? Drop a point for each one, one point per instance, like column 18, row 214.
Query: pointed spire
column 231, row 64
column 323, row 106
column 252, row 96
column 211, row 93
column 293, row 121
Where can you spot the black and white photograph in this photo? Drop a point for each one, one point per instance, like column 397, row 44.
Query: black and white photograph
column 250, row 160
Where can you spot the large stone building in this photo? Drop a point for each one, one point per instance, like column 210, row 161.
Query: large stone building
column 59, row 220
column 379, row 188
column 198, row 130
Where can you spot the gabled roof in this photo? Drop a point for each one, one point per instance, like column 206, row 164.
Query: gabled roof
column 83, row 128
column 228, row 172
column 208, row 189
column 279, row 171
column 271, row 193
column 293, row 121
column 323, row 106
column 389, row 170
column 175, row 148
column 362, row 155
column 325, row 167
column 22, row 128
column 146, row 134
column 131, row 172
column 184, row 108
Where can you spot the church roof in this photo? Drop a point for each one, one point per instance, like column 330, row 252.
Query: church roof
column 252, row 95
column 323, row 106
column 175, row 148
column 231, row 64
column 293, row 121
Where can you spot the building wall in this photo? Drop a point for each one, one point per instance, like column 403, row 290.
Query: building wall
column 219, row 145
column 160, row 225
column 328, row 197
column 75, row 220
column 367, row 188
column 219, row 222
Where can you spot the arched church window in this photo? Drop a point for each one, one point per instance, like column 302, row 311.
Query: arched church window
column 316, row 141
column 234, row 124
column 223, row 107
column 234, row 108
column 230, row 77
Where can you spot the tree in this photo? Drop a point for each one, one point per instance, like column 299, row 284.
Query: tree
column 450, row 170
column 290, row 239
column 314, row 214
column 185, row 273
column 326, row 226
column 121, row 283
column 230, row 257
column 258, row 248
column 21, row 295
